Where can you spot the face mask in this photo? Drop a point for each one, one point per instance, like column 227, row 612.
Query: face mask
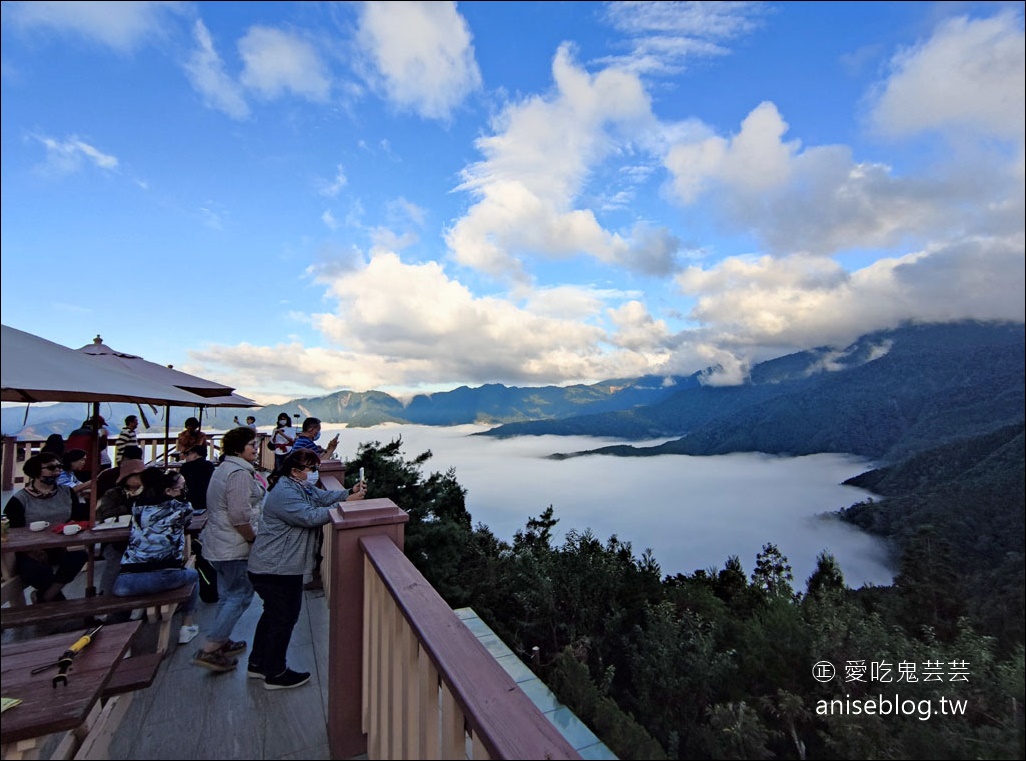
column 283, row 423
column 311, row 478
column 317, row 436
column 134, row 492
column 48, row 480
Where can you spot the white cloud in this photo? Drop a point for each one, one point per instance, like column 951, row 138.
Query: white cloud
column 664, row 36
column 411, row 325
column 535, row 165
column 750, row 307
column 820, row 200
column 123, row 26
column 67, row 156
column 420, row 54
column 969, row 74
column 206, row 73
column 329, row 220
column 333, row 188
column 277, row 62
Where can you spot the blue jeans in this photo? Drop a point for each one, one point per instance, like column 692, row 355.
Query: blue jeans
column 235, row 594
column 151, row 582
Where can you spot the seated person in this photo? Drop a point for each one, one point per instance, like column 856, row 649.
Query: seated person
column 74, row 462
column 191, row 437
column 91, row 433
column 155, row 558
column 113, row 504
column 197, row 470
column 54, row 444
column 109, row 477
column 42, row 499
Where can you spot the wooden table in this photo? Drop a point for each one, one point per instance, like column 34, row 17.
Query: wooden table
column 46, row 709
column 25, row 539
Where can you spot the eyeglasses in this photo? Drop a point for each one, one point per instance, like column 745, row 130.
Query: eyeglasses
column 311, row 468
column 53, row 466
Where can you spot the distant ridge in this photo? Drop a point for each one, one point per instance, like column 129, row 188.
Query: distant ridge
column 888, row 395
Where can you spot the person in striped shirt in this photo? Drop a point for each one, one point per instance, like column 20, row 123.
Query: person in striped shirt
column 307, row 439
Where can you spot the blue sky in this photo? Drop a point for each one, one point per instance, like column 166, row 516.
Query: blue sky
column 295, row 198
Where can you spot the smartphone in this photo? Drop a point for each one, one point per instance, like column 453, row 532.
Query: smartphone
column 361, row 475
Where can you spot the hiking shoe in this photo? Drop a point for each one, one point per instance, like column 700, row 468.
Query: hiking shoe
column 187, row 634
column 231, row 647
column 215, row 661
column 287, row 680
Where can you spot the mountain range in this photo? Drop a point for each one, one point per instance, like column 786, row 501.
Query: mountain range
column 887, row 396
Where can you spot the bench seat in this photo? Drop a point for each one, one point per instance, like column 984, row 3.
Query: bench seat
column 162, row 604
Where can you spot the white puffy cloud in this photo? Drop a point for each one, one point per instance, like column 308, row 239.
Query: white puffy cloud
column 751, row 307
column 420, row 54
column 206, row 72
column 122, row 26
column 411, row 325
column 821, row 201
column 276, row 62
column 971, row 74
column 535, row 166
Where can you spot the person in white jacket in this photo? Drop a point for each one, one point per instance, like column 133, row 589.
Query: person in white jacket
column 234, row 498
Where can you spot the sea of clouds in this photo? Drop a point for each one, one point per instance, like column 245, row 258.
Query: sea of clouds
column 692, row 512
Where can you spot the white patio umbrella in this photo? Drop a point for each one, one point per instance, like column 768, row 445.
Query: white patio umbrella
column 36, row 370
column 33, row 369
column 213, row 393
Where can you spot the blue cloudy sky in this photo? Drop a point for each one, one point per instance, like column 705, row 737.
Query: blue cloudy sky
column 300, row 197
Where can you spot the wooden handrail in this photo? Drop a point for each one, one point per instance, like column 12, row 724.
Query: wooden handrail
column 502, row 722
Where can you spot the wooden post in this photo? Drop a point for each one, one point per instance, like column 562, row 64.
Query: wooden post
column 344, row 566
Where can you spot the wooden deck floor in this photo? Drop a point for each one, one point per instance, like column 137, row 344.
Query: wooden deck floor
column 193, row 713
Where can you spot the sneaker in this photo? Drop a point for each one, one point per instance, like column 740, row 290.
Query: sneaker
column 231, row 647
column 187, row 634
column 255, row 672
column 287, row 680
column 215, row 661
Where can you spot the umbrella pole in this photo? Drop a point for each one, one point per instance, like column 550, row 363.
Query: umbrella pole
column 94, row 467
column 167, row 435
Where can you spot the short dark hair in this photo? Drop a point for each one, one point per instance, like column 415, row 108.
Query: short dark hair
column 130, row 418
column 132, row 452
column 310, row 423
column 72, row 456
column 191, row 421
column 235, row 440
column 200, row 449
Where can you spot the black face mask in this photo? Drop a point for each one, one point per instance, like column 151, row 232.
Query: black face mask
column 48, row 480
column 183, row 496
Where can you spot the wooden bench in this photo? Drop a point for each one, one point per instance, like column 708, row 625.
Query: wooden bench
column 161, row 605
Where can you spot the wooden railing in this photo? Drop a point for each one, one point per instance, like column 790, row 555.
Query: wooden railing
column 428, row 688
column 16, row 451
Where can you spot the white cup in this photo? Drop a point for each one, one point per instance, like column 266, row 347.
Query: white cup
column 71, row 529
column 39, row 525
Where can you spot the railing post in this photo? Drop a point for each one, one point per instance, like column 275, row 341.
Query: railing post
column 10, row 454
column 344, row 565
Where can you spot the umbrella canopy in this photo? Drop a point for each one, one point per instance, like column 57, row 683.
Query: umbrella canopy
column 36, row 370
column 161, row 373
